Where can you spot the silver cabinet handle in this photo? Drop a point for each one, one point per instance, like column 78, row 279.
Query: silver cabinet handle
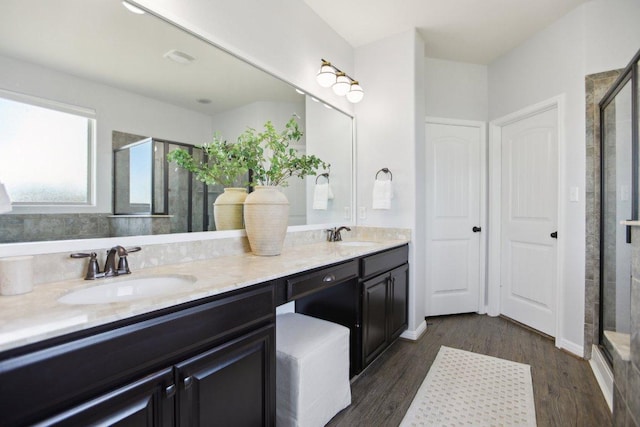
column 329, row 278
column 170, row 391
column 187, row 382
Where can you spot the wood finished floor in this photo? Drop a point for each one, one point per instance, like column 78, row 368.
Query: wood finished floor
column 565, row 390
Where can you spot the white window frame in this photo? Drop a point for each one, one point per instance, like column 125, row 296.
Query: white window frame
column 90, row 114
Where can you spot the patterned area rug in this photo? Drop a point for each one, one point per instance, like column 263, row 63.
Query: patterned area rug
column 470, row 389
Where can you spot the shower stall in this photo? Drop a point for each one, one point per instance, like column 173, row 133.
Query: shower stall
column 619, row 197
column 145, row 184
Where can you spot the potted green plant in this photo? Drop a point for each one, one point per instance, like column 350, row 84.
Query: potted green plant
column 272, row 161
column 225, row 165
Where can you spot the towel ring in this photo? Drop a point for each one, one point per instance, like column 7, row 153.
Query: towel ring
column 326, row 175
column 386, row 171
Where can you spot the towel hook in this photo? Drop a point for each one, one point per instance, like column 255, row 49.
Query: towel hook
column 386, row 171
column 326, row 175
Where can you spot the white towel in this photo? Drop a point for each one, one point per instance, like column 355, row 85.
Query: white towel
column 382, row 194
column 321, row 196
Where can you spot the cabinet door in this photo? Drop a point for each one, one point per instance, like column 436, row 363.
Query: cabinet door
column 230, row 385
column 147, row 402
column 374, row 316
column 398, row 298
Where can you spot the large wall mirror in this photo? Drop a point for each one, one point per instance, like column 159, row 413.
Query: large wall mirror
column 131, row 78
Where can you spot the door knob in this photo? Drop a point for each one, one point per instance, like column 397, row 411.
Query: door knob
column 476, row 229
column 554, row 235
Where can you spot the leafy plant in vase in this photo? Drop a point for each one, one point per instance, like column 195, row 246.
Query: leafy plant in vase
column 225, row 165
column 272, row 162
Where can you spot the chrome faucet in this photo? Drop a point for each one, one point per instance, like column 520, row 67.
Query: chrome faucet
column 110, row 268
column 333, row 234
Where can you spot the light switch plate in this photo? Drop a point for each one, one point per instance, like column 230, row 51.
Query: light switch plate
column 574, row 194
column 362, row 212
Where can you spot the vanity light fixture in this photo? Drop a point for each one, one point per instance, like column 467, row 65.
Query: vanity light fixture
column 355, row 93
column 300, row 92
column 132, row 8
column 326, row 77
column 342, row 84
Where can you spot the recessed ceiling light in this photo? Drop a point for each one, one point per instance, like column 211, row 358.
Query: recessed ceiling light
column 179, row 57
column 133, row 8
column 204, row 101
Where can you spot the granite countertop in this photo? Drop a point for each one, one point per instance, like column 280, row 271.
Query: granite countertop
column 38, row 315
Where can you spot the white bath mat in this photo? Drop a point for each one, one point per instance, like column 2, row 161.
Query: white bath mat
column 470, row 389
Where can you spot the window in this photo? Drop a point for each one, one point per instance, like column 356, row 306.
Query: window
column 45, row 151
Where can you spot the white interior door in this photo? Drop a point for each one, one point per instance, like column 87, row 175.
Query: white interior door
column 453, row 213
column 528, row 219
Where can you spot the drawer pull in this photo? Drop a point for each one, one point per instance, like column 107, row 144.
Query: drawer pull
column 329, row 278
column 170, row 391
column 187, row 382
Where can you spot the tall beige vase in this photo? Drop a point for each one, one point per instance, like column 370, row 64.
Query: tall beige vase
column 228, row 207
column 266, row 214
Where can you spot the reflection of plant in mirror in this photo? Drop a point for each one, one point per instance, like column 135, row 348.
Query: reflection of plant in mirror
column 226, row 162
column 272, row 159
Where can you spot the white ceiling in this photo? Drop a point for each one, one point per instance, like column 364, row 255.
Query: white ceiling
column 475, row 31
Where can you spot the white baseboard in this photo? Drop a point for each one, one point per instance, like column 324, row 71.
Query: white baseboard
column 603, row 375
column 571, row 347
column 417, row 333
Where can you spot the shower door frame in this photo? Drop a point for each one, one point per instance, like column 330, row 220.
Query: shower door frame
column 630, row 73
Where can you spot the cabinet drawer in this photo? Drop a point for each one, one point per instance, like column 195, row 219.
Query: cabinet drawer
column 312, row 282
column 383, row 261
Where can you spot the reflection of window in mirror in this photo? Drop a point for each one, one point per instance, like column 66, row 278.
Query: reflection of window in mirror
column 45, row 151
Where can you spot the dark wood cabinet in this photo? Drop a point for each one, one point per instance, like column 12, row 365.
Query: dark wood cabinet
column 373, row 305
column 184, row 363
column 206, row 362
column 230, row 385
column 384, row 311
column 147, row 402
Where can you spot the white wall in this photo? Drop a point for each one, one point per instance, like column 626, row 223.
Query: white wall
column 115, row 109
column 612, row 34
column 597, row 36
column 456, row 90
column 388, row 123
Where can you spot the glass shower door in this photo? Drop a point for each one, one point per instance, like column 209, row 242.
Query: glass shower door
column 618, row 204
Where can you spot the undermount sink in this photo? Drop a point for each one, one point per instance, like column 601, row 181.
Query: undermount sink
column 129, row 289
column 356, row 243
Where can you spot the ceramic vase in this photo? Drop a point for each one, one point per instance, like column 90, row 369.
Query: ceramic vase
column 266, row 214
column 228, row 207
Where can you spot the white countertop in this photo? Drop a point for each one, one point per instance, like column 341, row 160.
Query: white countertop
column 38, row 315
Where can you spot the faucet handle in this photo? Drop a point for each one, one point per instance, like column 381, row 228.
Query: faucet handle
column 93, row 270
column 331, row 232
column 123, row 263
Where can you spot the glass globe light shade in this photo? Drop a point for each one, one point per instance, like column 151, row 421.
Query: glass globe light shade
column 355, row 94
column 342, row 85
column 326, row 77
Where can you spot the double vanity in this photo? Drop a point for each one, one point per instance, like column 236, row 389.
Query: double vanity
column 201, row 348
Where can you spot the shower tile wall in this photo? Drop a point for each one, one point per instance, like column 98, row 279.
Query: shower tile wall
column 40, row 227
column 626, row 373
column 596, row 85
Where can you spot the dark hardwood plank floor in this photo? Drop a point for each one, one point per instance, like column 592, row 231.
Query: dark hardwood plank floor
column 565, row 390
